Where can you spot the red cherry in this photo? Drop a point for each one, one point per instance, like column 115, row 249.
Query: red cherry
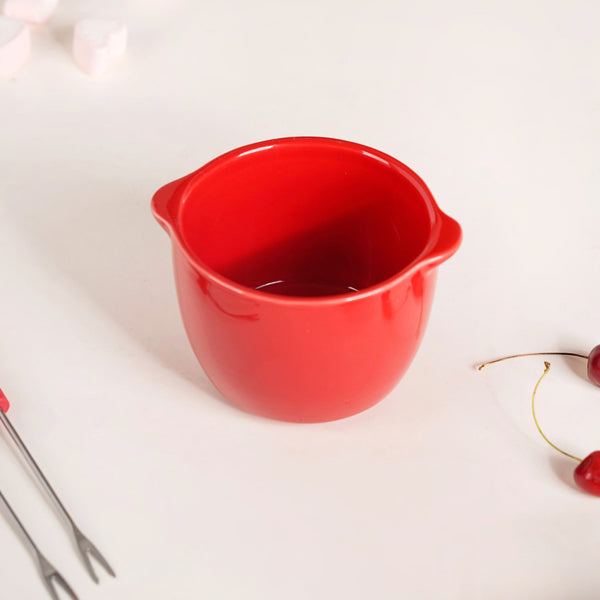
column 587, row 473
column 593, row 365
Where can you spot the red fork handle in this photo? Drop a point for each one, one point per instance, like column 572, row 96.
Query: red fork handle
column 4, row 404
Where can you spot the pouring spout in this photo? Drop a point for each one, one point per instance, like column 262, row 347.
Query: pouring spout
column 166, row 202
column 447, row 243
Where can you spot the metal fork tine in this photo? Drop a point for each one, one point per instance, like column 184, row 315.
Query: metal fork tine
column 86, row 548
column 88, row 564
column 49, row 573
column 65, row 586
column 96, row 554
column 50, row 588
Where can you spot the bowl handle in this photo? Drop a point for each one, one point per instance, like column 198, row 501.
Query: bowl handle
column 447, row 243
column 166, row 201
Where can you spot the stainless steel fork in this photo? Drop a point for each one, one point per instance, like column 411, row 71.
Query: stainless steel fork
column 49, row 574
column 84, row 545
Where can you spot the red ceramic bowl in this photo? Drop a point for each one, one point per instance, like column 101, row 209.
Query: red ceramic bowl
column 305, row 269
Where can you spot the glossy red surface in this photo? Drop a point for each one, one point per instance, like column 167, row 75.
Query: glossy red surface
column 587, row 473
column 305, row 270
column 593, row 365
column 4, row 405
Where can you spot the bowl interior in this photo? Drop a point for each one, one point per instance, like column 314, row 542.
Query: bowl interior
column 306, row 218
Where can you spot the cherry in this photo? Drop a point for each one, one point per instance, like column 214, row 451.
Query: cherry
column 587, row 473
column 593, row 365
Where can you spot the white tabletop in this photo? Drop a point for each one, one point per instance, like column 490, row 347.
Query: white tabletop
column 444, row 490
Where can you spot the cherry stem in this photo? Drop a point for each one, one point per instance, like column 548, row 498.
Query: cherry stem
column 547, row 365
column 491, row 362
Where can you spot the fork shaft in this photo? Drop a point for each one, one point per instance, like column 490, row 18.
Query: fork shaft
column 34, row 466
column 31, row 546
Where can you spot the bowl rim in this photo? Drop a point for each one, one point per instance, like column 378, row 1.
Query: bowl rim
column 445, row 234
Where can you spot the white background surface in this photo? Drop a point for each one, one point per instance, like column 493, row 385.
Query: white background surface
column 444, row 490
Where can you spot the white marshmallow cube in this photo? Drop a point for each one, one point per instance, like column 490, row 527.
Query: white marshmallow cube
column 32, row 11
column 15, row 43
column 98, row 42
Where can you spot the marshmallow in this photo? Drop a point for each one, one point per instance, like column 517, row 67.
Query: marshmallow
column 32, row 11
column 15, row 43
column 97, row 42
